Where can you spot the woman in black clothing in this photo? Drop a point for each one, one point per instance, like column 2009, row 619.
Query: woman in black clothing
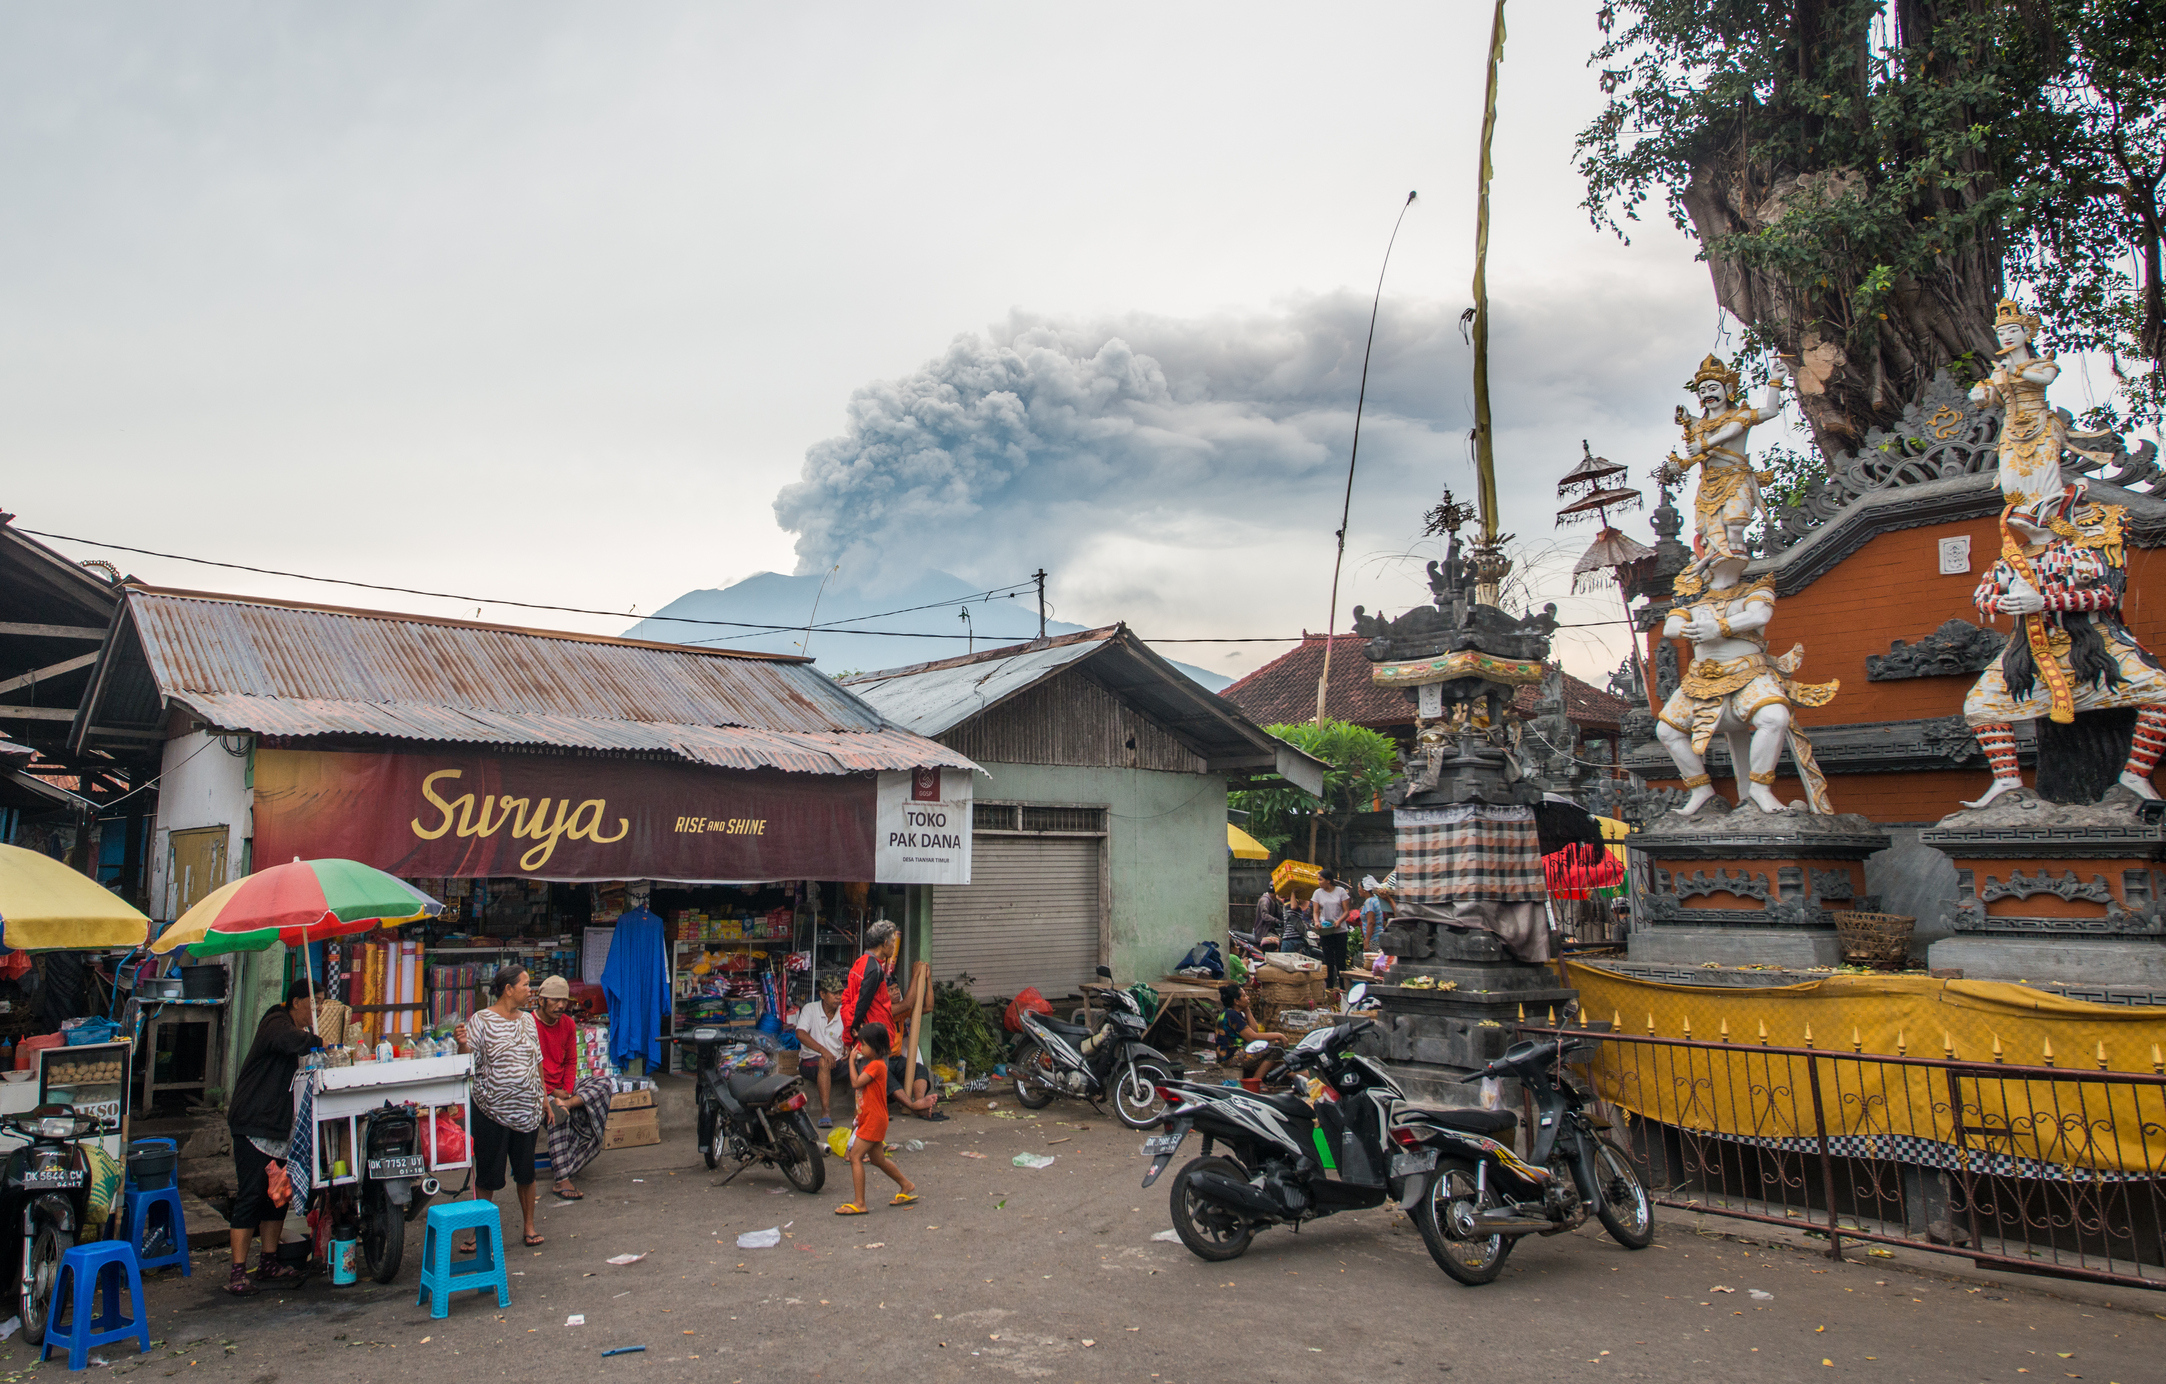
column 261, row 1119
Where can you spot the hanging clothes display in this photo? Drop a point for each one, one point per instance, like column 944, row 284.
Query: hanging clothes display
column 636, row 982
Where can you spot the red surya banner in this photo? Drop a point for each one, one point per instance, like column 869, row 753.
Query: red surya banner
column 495, row 816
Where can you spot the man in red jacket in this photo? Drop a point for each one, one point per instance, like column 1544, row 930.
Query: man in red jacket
column 866, row 999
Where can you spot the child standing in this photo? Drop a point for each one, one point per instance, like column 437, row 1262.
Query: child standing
column 868, row 1077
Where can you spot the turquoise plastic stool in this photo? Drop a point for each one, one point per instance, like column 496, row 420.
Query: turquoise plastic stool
column 440, row 1277
column 88, row 1269
column 141, row 1216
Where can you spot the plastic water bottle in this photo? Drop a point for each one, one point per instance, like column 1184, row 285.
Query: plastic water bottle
column 384, row 1051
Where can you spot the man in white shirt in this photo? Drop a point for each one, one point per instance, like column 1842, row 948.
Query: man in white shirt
column 819, row 1041
column 1328, row 906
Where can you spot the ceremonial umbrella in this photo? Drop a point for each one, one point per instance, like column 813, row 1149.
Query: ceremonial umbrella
column 45, row 906
column 1245, row 846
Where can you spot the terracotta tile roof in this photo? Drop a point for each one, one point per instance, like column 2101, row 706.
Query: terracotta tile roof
column 1284, row 690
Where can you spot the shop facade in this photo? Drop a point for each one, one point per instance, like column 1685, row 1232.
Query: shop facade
column 543, row 785
column 1100, row 819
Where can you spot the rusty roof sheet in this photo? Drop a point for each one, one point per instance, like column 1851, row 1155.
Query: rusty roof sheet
column 303, row 671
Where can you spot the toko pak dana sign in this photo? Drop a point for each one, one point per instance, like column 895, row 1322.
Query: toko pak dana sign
column 922, row 827
column 567, row 818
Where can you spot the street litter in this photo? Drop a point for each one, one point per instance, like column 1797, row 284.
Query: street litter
column 627, row 1258
column 1033, row 1160
column 972, row 1153
column 1758, row 1296
column 1167, row 1237
column 760, row 1239
column 577, row 1319
column 1718, row 1288
column 10, row 1327
column 914, row 1146
column 623, row 1350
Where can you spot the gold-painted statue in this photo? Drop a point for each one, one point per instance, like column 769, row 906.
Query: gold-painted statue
column 1716, row 443
column 2060, row 574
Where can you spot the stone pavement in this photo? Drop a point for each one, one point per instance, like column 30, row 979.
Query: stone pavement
column 1005, row 1273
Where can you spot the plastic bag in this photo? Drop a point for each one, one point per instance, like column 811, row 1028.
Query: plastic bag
column 1146, row 999
column 1029, row 1002
column 450, row 1139
column 281, row 1186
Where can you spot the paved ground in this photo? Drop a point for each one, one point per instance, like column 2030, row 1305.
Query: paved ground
column 1005, row 1273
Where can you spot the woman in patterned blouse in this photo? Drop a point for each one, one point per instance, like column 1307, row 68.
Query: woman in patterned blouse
column 508, row 1107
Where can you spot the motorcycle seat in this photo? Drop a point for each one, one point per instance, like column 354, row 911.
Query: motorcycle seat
column 1467, row 1120
column 754, row 1088
column 1286, row 1103
column 1065, row 1030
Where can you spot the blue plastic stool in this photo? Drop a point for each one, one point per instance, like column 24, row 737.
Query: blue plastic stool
column 87, row 1269
column 140, row 1217
column 440, row 1277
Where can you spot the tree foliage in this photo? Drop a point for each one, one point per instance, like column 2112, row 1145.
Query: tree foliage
column 1867, row 178
column 1362, row 763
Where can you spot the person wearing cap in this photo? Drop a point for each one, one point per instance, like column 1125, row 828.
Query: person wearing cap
column 580, row 1109
column 259, row 1115
column 819, row 1042
column 1376, row 911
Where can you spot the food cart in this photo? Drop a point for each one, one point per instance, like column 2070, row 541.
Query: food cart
column 376, row 1157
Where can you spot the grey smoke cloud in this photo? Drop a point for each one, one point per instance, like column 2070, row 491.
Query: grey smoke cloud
column 1024, row 443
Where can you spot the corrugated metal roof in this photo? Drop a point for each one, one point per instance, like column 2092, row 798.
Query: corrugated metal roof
column 302, row 671
column 932, row 698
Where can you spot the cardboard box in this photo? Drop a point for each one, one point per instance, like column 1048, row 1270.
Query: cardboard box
column 632, row 1128
column 632, row 1100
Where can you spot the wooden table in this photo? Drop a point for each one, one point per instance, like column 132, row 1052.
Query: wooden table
column 1172, row 990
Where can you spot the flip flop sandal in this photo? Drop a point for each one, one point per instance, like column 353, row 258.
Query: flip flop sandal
column 826, row 1123
column 535, row 1242
column 567, row 1196
column 850, row 1208
column 903, row 1198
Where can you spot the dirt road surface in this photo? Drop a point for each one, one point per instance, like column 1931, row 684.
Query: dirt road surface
column 1006, row 1273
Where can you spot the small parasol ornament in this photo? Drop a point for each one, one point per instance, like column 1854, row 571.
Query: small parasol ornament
column 1592, row 492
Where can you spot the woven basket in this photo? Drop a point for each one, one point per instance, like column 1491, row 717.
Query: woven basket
column 1274, row 996
column 1875, row 939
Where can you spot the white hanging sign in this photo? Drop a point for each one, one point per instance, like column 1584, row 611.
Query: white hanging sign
column 922, row 827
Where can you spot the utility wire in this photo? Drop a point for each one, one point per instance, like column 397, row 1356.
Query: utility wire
column 837, row 625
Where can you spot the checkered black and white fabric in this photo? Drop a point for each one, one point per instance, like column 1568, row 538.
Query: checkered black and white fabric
column 1471, row 852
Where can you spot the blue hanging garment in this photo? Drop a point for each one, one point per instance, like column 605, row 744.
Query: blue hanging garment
column 636, row 982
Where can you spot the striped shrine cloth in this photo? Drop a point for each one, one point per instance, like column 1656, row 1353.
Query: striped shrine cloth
column 1467, row 853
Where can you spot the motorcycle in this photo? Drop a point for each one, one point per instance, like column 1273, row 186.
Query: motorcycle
column 48, row 1178
column 755, row 1117
column 1478, row 1197
column 392, row 1190
column 1289, row 1158
column 1057, row 1059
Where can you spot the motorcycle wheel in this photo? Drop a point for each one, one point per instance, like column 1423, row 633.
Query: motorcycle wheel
column 709, row 1122
column 1627, row 1213
column 1145, row 1110
column 1031, row 1066
column 797, row 1153
column 383, row 1236
column 1472, row 1262
column 1210, row 1231
column 36, row 1304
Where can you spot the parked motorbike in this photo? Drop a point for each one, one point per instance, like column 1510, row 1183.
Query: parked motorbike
column 1057, row 1059
column 46, row 1185
column 1289, row 1158
column 755, row 1118
column 1479, row 1197
column 392, row 1188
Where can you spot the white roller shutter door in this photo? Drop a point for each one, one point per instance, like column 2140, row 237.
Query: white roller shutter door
column 1029, row 915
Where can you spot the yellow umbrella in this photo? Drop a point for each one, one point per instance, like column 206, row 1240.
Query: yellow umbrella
column 45, row 906
column 1245, row 846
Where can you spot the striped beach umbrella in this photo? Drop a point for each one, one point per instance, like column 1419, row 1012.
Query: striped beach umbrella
column 305, row 901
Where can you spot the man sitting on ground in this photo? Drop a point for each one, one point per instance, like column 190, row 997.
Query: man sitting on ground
column 820, row 1042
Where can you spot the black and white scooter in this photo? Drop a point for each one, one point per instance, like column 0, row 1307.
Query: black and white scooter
column 1057, row 1059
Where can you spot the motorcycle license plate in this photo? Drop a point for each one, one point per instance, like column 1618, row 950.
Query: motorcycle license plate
column 1407, row 1164
column 53, row 1178
column 395, row 1167
column 1160, row 1143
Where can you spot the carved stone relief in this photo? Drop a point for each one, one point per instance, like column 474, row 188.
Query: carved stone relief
column 2022, row 886
column 1956, row 649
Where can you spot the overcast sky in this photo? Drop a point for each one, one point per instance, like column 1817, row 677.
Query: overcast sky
column 553, row 302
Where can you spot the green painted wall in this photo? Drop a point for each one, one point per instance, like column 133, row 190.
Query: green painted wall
column 1167, row 843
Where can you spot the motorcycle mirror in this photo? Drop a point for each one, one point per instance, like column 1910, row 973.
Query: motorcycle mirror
column 1355, row 996
column 1105, row 973
column 1257, row 1048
